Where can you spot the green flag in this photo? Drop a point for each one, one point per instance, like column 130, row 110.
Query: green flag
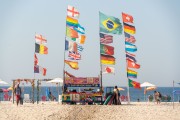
column 109, row 24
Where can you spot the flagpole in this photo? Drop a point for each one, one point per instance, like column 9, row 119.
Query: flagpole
column 173, row 94
column 34, row 73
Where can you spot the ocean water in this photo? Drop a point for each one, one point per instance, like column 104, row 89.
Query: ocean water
column 134, row 93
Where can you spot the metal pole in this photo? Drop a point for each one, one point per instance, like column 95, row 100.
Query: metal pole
column 173, row 94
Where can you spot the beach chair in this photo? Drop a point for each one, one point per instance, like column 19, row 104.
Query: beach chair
column 6, row 97
column 43, row 98
column 26, row 98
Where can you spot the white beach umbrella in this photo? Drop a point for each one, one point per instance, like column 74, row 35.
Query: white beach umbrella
column 56, row 80
column 3, row 82
column 147, row 84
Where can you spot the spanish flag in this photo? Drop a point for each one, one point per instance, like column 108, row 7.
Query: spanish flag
column 72, row 64
column 129, row 28
column 41, row 49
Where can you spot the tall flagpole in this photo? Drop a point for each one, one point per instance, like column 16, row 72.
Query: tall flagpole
column 173, row 94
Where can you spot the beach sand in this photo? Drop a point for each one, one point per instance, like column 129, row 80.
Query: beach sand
column 55, row 111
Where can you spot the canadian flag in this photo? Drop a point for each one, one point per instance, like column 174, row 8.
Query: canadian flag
column 107, row 69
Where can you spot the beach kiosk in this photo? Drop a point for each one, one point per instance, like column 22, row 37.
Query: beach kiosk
column 74, row 96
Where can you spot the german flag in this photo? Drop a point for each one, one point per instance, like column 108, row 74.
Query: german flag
column 107, row 59
column 129, row 28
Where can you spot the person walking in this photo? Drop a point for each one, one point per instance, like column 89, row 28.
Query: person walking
column 17, row 92
column 116, row 97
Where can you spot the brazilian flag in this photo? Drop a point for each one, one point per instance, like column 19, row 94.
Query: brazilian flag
column 109, row 24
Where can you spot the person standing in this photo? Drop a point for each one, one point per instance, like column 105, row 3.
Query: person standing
column 156, row 96
column 17, row 92
column 116, row 97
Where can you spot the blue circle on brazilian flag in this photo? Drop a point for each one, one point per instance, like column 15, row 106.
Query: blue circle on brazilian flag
column 109, row 24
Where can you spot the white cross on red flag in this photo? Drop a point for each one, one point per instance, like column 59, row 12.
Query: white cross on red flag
column 72, row 11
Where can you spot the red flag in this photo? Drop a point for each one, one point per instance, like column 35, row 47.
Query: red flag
column 35, row 59
column 127, row 18
column 42, row 70
column 132, row 64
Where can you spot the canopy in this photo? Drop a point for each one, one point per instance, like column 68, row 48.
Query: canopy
column 3, row 82
column 121, row 89
column 56, row 80
column 146, row 84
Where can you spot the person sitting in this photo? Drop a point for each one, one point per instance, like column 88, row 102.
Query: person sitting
column 89, row 100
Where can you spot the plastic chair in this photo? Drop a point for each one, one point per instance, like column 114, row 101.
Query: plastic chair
column 6, row 97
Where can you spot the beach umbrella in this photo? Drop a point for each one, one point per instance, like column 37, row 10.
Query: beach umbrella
column 121, row 89
column 56, row 80
column 10, row 88
column 146, row 84
column 151, row 88
column 3, row 82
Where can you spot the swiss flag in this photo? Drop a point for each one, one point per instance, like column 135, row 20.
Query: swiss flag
column 132, row 64
column 127, row 18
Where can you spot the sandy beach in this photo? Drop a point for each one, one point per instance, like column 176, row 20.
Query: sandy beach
column 55, row 111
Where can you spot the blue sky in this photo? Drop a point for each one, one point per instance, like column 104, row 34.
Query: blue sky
column 156, row 22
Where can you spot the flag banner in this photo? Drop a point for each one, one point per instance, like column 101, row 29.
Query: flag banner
column 79, row 48
column 39, row 69
column 107, row 59
column 130, row 47
column 36, row 69
column 131, row 58
column 70, row 46
column 129, row 28
column 40, row 39
column 105, row 49
column 71, row 22
column 81, row 39
column 80, row 29
column 70, row 32
column 72, row 11
column 134, row 84
column 129, row 38
column 105, row 39
column 133, row 55
column 72, row 64
column 109, row 24
column 41, row 49
column 82, row 81
column 35, row 59
column 132, row 64
column 127, row 18
column 107, row 70
column 131, row 73
column 74, row 56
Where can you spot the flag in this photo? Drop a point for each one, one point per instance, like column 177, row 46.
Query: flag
column 109, row 24
column 79, row 48
column 36, row 69
column 70, row 32
column 107, row 69
column 71, row 22
column 81, row 39
column 131, row 73
column 107, row 59
column 70, row 46
column 129, row 38
column 74, row 56
column 133, row 55
column 130, row 57
column 105, row 39
column 127, row 18
column 105, row 49
column 40, row 39
column 72, row 11
column 132, row 64
column 134, row 84
column 41, row 49
column 129, row 28
column 80, row 29
column 130, row 47
column 39, row 69
column 35, row 59
column 72, row 64
column 42, row 71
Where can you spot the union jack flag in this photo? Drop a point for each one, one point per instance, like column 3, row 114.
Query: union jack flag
column 129, row 38
column 74, row 56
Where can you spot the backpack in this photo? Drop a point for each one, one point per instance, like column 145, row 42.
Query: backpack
column 160, row 94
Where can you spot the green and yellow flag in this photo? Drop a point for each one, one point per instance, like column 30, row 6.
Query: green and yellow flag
column 109, row 24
